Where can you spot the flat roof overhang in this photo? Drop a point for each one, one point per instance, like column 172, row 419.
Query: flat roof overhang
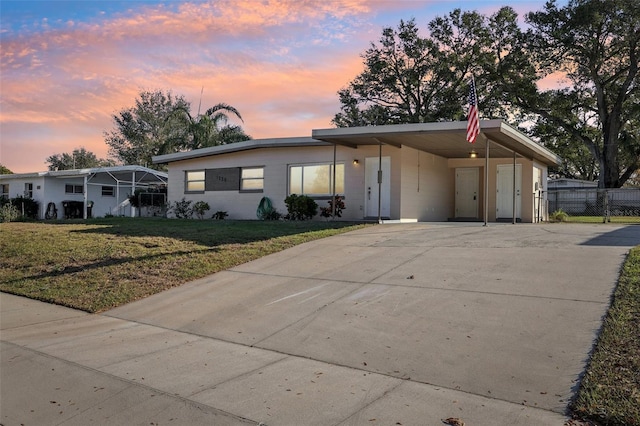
column 237, row 147
column 445, row 139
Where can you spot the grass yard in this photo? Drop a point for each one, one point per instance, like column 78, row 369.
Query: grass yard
column 99, row 264
column 598, row 219
column 610, row 390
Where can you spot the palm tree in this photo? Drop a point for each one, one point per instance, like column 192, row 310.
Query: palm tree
column 211, row 128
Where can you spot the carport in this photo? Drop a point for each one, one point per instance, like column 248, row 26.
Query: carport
column 497, row 141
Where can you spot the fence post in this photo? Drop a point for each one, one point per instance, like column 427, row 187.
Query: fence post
column 605, row 205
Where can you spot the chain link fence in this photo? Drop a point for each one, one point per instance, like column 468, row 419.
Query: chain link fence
column 606, row 203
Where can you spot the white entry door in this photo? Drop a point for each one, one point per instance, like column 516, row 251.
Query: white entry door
column 467, row 192
column 504, row 195
column 372, row 165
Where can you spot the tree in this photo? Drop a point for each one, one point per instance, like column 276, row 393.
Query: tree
column 5, row 171
column 210, row 128
column 591, row 119
column 160, row 123
column 147, row 129
column 596, row 44
column 80, row 158
column 411, row 79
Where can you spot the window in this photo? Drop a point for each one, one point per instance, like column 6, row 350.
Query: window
column 108, row 191
column 315, row 179
column 73, row 189
column 194, row 181
column 28, row 190
column 5, row 190
column 252, row 179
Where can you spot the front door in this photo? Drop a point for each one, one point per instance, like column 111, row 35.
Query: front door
column 504, row 195
column 372, row 165
column 467, row 192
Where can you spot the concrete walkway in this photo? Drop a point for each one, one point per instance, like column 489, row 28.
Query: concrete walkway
column 405, row 324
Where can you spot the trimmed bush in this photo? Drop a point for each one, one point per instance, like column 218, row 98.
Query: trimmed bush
column 300, row 207
column 200, row 208
column 182, row 209
column 328, row 211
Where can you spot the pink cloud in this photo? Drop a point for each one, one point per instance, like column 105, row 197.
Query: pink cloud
column 280, row 62
column 64, row 84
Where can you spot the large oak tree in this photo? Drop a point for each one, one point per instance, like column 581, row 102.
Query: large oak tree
column 591, row 118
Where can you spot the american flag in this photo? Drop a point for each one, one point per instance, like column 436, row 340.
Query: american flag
column 473, row 121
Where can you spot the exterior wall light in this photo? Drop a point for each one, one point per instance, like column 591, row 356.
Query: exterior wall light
column 356, row 161
column 473, row 154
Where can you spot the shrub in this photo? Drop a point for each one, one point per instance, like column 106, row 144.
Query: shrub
column 328, row 211
column 272, row 214
column 182, row 209
column 558, row 216
column 8, row 213
column 27, row 207
column 300, row 207
column 200, row 208
column 219, row 215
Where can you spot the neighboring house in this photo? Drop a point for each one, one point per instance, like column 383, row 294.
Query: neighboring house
column 407, row 172
column 566, row 183
column 65, row 193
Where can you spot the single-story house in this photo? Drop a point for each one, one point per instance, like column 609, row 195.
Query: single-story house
column 406, row 172
column 566, row 183
column 65, row 193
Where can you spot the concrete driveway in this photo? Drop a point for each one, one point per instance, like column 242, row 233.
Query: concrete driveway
column 404, row 324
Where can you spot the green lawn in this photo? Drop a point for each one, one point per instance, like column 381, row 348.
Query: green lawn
column 99, row 264
column 610, row 390
column 599, row 219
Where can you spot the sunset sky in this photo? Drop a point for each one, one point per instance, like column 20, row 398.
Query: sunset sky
column 67, row 66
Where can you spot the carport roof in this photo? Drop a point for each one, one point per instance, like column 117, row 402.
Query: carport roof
column 445, row 139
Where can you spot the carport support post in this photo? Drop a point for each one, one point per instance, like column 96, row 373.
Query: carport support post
column 486, row 181
column 133, row 191
column 379, row 183
column 514, row 189
column 333, row 189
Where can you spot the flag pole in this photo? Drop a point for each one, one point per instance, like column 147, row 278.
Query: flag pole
column 473, row 131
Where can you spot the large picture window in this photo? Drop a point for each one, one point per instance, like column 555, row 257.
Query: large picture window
column 194, row 181
column 315, row 179
column 252, row 179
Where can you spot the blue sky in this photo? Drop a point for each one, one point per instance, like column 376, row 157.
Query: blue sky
column 67, row 66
